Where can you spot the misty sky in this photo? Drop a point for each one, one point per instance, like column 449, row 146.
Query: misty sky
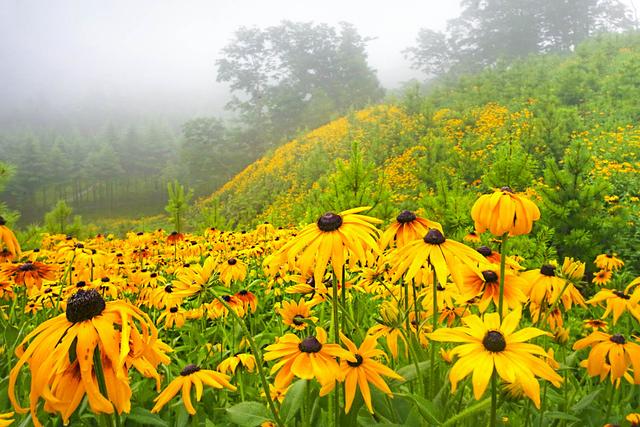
column 63, row 52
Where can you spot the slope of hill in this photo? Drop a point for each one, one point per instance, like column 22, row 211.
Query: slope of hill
column 522, row 125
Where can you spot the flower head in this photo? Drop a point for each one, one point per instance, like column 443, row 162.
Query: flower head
column 504, row 212
column 191, row 375
column 613, row 350
column 491, row 344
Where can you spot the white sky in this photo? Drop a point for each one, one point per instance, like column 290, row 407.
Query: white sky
column 64, row 49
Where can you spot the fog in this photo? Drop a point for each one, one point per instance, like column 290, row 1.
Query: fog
column 129, row 58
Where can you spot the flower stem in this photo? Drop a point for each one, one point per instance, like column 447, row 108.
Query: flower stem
column 336, row 338
column 494, row 400
column 259, row 361
column 503, row 258
column 434, row 326
column 610, row 401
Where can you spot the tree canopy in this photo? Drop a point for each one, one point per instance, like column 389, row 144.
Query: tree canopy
column 296, row 75
column 488, row 31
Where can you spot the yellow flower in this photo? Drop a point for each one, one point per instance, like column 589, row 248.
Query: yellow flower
column 608, row 261
column 230, row 364
column 9, row 239
column 491, row 344
column 307, row 359
column 572, row 269
column 504, row 212
column 434, row 250
column 88, row 324
column 613, row 350
column 332, row 239
column 617, row 303
column 634, row 419
column 602, row 277
column 406, row 228
column 233, row 269
column 5, row 419
column 364, row 370
column 191, row 375
column 294, row 314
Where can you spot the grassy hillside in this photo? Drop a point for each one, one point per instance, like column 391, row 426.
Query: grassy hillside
column 562, row 128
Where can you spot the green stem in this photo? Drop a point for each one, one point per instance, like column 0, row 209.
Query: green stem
column 259, row 361
column 503, row 258
column 542, row 404
column 336, row 338
column 480, row 406
column 434, row 326
column 102, row 385
column 610, row 401
column 494, row 400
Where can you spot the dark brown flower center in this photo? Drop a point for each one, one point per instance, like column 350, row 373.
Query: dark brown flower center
column 506, row 189
column 189, row 369
column 434, row 237
column 405, row 217
column 173, row 309
column 243, row 292
column 329, row 222
column 621, row 294
column 2, row 221
column 618, row 339
column 357, row 363
column 548, row 270
column 485, row 251
column 84, row 305
column 490, row 276
column 168, row 289
column 494, row 341
column 232, row 261
column 27, row 266
column 310, row 345
column 298, row 320
column 311, row 281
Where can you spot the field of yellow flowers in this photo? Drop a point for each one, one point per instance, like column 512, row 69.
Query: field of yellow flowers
column 343, row 322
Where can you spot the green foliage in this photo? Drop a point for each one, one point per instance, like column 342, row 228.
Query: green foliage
column 491, row 31
column 573, row 206
column 512, row 167
column 354, row 183
column 296, row 75
column 178, row 204
column 60, row 220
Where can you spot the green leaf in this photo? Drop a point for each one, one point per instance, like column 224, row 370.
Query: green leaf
column 427, row 409
column 409, row 372
column 557, row 415
column 293, row 400
column 248, row 414
column 585, row 401
column 145, row 417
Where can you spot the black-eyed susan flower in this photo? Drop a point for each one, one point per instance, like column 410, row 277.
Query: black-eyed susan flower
column 487, row 287
column 437, row 252
column 542, row 284
column 614, row 350
column 608, row 261
column 504, row 212
column 173, row 316
column 572, row 269
column 406, row 228
column 30, row 274
column 244, row 360
column 363, row 371
column 602, row 277
column 309, row 358
column 233, row 269
column 191, row 376
column 249, row 300
column 296, row 314
column 493, row 345
column 6, row 419
column 122, row 334
column 8, row 239
column 334, row 238
column 634, row 419
column 617, row 302
column 595, row 324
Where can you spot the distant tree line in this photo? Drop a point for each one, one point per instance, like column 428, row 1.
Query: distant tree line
column 488, row 31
